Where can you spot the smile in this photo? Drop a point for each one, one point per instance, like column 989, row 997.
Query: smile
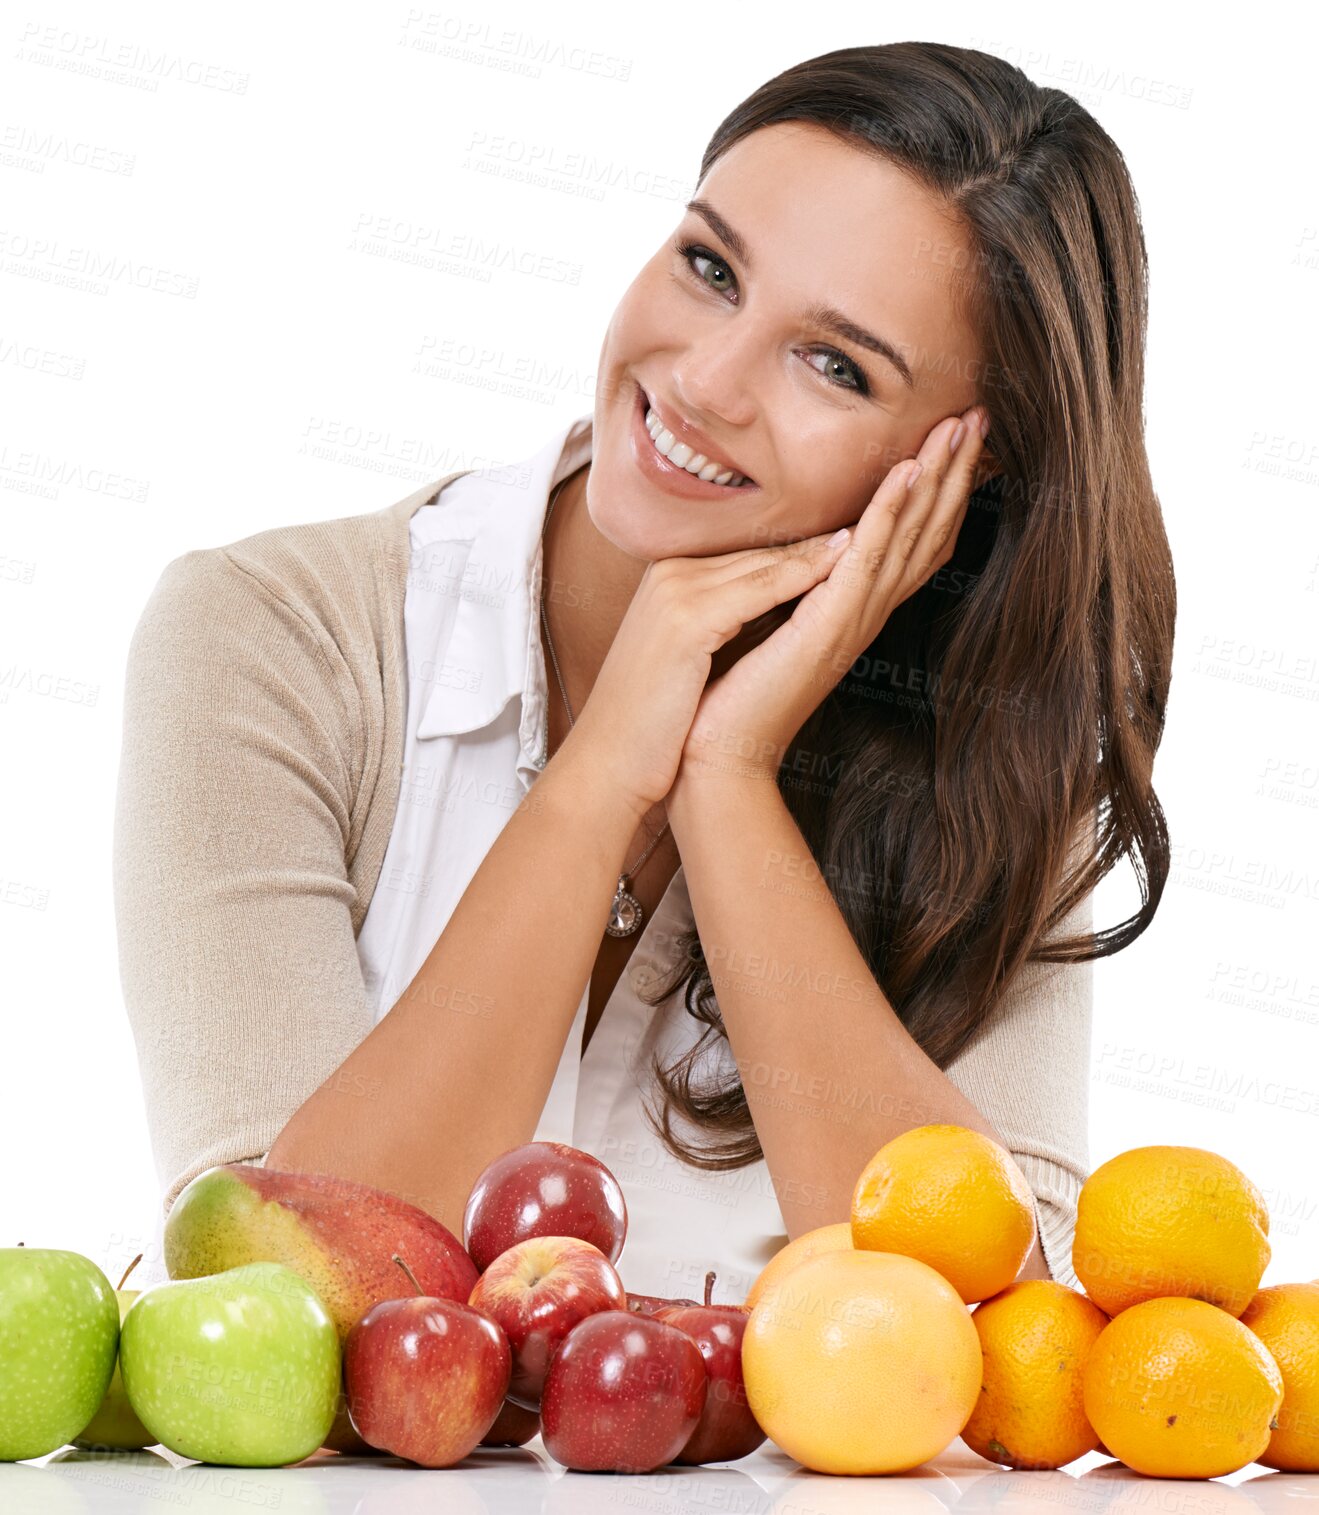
column 682, row 456
column 674, row 464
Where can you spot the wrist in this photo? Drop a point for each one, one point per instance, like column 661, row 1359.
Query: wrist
column 593, row 768
column 721, row 761
column 709, row 801
column 719, row 780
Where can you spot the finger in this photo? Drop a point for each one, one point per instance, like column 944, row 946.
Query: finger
column 779, row 576
column 761, row 559
column 937, row 462
column 960, row 472
column 926, row 516
column 950, row 493
column 870, row 555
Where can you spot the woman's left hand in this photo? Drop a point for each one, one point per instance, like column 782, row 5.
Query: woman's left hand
column 748, row 716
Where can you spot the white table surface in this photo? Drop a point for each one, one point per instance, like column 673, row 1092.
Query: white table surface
column 510, row 1480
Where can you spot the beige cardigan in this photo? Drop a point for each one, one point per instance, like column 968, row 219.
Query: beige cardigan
column 264, row 709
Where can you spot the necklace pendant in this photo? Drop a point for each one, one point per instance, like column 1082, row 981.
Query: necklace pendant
column 626, row 913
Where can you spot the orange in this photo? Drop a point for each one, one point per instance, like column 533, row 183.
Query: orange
column 1156, row 1221
column 822, row 1239
column 1178, row 1388
column 861, row 1362
column 953, row 1198
column 1034, row 1336
column 1285, row 1317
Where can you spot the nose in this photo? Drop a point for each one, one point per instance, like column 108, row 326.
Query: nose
column 712, row 378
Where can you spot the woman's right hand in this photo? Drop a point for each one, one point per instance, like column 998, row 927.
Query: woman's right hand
column 640, row 710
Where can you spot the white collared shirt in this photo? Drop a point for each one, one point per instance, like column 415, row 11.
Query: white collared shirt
column 473, row 746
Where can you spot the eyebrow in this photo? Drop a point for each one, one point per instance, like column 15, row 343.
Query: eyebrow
column 820, row 314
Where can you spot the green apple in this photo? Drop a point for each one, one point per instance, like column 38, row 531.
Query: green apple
column 115, row 1425
column 59, row 1327
column 241, row 1367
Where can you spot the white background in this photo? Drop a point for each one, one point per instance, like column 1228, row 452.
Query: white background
column 274, row 365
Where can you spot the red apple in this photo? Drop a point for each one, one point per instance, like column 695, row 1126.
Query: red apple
column 727, row 1429
column 623, row 1394
column 650, row 1304
column 536, row 1292
column 425, row 1377
column 543, row 1189
column 513, row 1427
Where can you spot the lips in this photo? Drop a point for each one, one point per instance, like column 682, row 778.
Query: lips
column 696, row 439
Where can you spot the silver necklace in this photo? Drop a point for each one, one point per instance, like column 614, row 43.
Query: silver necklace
column 626, row 914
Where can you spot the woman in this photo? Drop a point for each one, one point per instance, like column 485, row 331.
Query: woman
column 689, row 835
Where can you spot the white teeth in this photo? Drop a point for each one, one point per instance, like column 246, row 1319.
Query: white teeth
column 668, row 446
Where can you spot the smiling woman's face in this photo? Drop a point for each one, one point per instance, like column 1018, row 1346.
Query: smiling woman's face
column 724, row 340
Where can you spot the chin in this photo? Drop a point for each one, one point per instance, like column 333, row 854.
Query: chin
column 621, row 510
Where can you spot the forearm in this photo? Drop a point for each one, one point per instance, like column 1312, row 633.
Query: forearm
column 1035, row 1266
column 829, row 1070
column 463, row 1062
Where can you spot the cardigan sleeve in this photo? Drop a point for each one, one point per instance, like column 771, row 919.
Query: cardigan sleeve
column 237, row 953
column 1028, row 1073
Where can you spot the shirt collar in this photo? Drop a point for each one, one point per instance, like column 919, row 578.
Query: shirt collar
column 495, row 642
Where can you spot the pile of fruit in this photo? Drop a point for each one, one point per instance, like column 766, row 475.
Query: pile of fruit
column 304, row 1311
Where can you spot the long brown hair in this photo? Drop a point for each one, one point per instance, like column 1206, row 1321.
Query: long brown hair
column 989, row 758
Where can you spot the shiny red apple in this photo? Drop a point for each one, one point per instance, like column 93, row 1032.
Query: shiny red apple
column 513, row 1427
column 536, row 1292
column 649, row 1304
column 623, row 1394
column 543, row 1189
column 425, row 1377
column 727, row 1429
